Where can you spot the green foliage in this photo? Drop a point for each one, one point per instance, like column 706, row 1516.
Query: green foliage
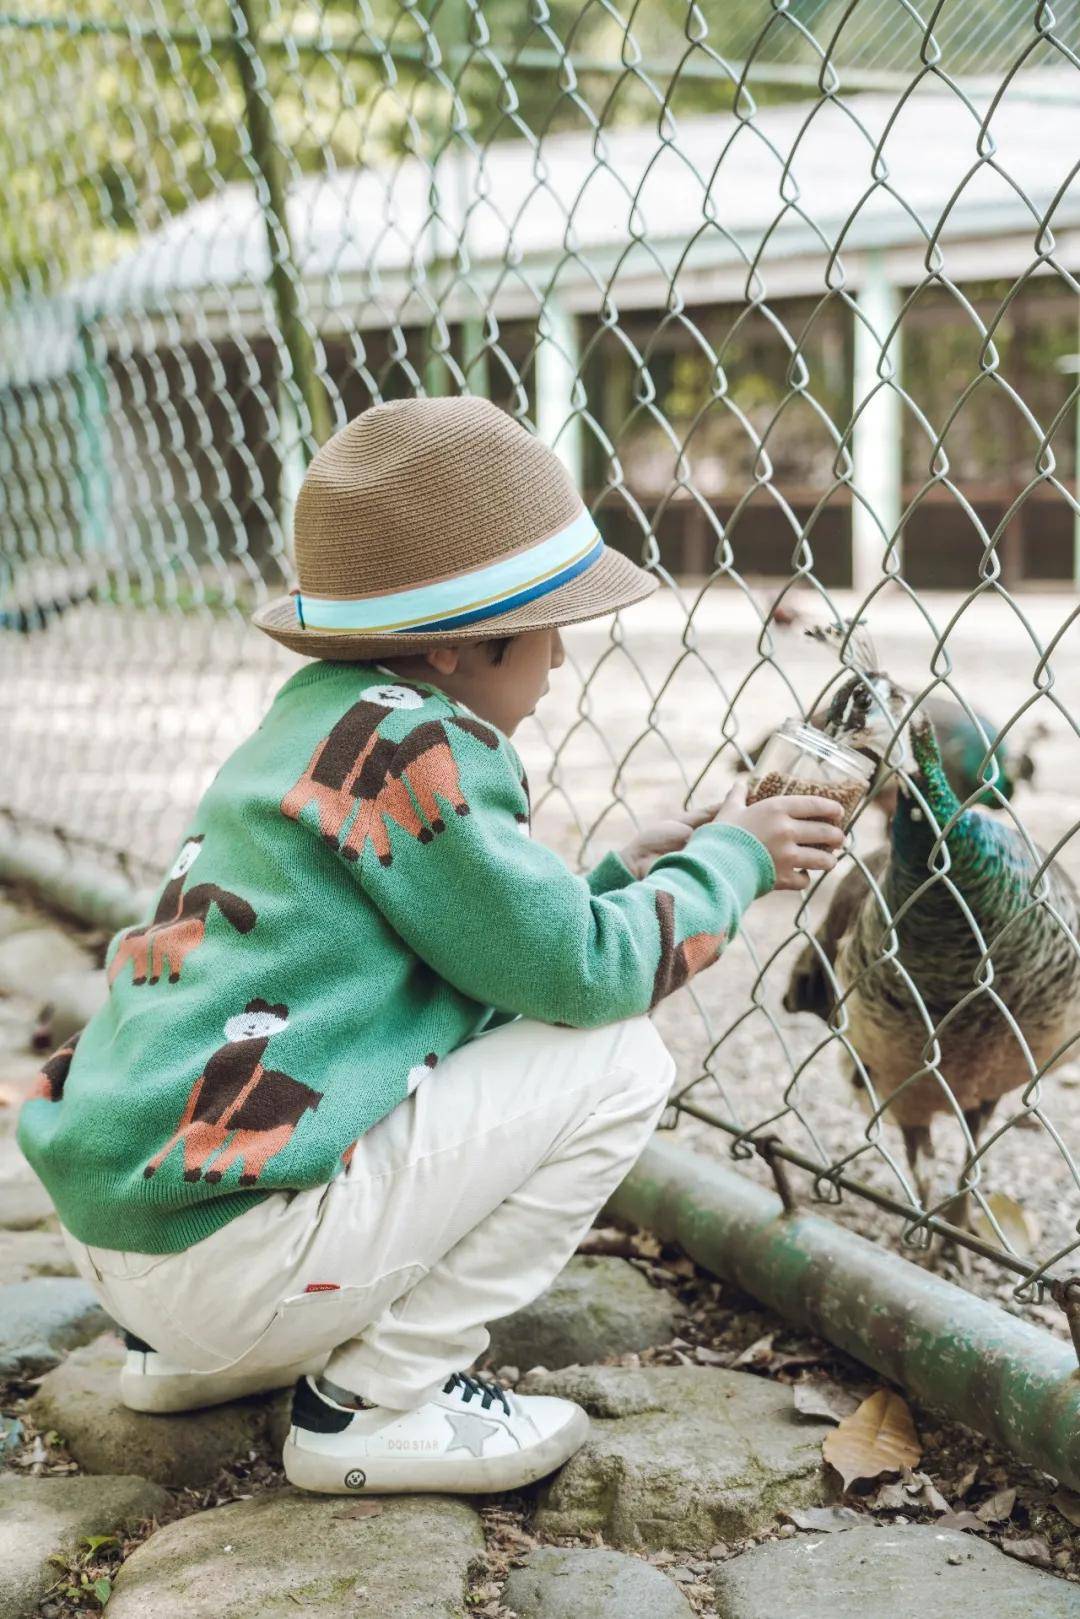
column 115, row 119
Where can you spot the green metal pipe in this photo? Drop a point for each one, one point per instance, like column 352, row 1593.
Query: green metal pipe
column 967, row 1358
column 68, row 880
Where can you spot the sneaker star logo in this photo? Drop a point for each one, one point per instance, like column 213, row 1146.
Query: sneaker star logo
column 470, row 1432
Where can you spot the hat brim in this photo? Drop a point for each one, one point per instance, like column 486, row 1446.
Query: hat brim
column 611, row 583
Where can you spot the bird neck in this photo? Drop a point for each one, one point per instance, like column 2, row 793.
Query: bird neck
column 914, row 832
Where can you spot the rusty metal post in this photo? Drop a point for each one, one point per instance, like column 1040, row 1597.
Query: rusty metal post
column 965, row 1357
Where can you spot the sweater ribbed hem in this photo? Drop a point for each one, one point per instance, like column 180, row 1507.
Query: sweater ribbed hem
column 143, row 1228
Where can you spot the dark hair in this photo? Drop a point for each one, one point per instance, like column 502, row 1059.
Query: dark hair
column 497, row 648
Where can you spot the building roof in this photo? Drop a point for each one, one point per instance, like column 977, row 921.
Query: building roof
column 717, row 205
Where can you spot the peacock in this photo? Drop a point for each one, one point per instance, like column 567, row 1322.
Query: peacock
column 1029, row 921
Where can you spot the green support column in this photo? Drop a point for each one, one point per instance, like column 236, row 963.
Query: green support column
column 474, row 358
column 557, row 362
column 876, row 448
column 92, row 448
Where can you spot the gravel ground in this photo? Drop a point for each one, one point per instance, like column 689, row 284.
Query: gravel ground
column 133, row 713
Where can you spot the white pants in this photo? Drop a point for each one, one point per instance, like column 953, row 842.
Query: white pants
column 459, row 1207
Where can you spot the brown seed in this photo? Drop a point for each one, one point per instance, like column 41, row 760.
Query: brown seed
column 848, row 794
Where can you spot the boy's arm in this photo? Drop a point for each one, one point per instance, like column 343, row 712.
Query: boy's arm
column 611, row 873
column 504, row 920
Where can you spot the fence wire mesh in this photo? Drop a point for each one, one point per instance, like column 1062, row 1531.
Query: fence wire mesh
column 791, row 287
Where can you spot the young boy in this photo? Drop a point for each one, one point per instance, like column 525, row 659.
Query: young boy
column 375, row 1062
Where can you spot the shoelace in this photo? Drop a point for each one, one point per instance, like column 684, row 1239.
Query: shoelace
column 489, row 1392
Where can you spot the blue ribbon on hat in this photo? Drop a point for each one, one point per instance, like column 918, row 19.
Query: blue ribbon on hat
column 467, row 598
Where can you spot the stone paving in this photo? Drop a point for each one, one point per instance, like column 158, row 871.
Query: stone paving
column 684, row 1501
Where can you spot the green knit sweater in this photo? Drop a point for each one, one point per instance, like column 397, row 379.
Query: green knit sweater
column 356, row 897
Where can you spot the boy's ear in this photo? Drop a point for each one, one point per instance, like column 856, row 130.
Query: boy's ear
column 445, row 659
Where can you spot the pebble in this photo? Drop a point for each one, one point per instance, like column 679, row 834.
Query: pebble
column 286, row 1552
column 598, row 1308
column 40, row 1320
column 557, row 1582
column 80, row 1399
column 889, row 1573
column 700, row 1452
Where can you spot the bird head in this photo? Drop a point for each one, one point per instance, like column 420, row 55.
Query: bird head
column 867, row 709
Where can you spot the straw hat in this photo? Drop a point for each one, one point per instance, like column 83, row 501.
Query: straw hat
column 440, row 520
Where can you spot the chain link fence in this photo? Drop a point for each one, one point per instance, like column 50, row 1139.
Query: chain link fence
column 791, row 287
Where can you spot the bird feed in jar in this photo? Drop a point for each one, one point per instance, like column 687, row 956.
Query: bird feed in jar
column 801, row 760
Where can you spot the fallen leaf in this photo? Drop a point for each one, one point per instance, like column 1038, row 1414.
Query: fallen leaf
column 362, row 1509
column 1067, row 1502
column 1019, row 1226
column 921, row 1490
column 821, row 1397
column 962, row 1520
column 756, row 1353
column 965, row 1481
column 878, row 1438
column 709, row 1357
column 826, row 1520
column 890, row 1498
column 782, row 1360
column 998, row 1507
column 1032, row 1550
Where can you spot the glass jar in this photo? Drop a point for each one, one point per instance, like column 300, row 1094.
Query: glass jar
column 798, row 758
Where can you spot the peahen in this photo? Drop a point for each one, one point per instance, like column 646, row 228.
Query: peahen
column 1032, row 944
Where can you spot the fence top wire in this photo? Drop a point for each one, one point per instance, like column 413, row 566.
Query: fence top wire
column 777, row 278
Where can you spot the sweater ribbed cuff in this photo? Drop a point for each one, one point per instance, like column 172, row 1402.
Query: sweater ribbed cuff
column 742, row 859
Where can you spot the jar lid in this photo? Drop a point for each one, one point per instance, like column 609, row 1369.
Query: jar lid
column 827, row 747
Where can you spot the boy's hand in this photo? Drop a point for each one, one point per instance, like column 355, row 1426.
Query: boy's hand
column 802, row 833
column 663, row 837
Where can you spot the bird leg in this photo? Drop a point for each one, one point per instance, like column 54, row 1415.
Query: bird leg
column 962, row 1208
column 918, row 1143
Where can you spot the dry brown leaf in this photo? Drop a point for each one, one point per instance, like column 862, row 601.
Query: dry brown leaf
column 1031, row 1550
column 890, row 1498
column 820, row 1397
column 756, row 1353
column 878, row 1438
column 1019, row 1226
column 826, row 1520
column 965, row 1481
column 1067, row 1502
column 962, row 1520
column 998, row 1507
column 362, row 1509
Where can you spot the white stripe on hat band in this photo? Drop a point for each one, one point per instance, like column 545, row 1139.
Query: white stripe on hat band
column 480, row 588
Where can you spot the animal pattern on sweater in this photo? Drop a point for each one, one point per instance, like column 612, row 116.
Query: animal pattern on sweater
column 236, row 1096
column 679, row 963
column 179, row 924
column 53, row 1076
column 354, row 769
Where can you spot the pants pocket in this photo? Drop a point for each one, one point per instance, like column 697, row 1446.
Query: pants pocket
column 308, row 1327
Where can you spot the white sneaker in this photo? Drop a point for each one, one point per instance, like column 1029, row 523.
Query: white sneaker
column 149, row 1382
column 472, row 1438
